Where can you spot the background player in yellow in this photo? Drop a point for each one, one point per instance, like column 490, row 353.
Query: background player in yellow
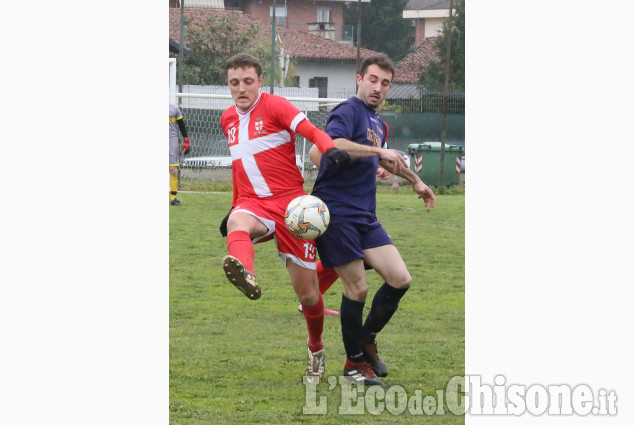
column 176, row 119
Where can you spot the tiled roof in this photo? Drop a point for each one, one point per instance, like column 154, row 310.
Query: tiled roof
column 407, row 70
column 299, row 45
column 308, row 46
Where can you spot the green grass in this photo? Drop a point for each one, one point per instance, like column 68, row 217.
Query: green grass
column 237, row 361
column 222, row 184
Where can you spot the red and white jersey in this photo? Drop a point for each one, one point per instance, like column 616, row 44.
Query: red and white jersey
column 262, row 146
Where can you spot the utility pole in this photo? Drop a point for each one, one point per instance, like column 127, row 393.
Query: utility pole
column 359, row 37
column 180, row 64
column 273, row 48
column 446, row 88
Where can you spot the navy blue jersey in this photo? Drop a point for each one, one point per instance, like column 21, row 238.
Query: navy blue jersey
column 350, row 193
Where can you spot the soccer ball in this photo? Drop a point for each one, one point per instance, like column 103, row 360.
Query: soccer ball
column 307, row 217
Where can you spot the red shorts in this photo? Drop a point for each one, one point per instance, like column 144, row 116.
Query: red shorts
column 270, row 212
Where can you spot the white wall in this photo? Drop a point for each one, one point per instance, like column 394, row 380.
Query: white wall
column 224, row 100
column 341, row 76
column 433, row 27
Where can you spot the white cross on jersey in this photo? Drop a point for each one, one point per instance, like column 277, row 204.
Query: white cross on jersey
column 276, row 114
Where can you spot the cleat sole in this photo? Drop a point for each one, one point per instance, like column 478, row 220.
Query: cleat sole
column 241, row 278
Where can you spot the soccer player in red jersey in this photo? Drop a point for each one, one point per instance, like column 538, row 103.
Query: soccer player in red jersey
column 260, row 130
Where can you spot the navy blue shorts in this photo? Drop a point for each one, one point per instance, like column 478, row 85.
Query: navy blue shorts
column 345, row 242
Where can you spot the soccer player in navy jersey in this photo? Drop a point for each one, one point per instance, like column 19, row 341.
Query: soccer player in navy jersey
column 355, row 236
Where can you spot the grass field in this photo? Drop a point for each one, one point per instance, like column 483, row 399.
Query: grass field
column 237, row 361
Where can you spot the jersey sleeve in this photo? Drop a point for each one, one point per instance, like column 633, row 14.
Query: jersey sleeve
column 314, row 135
column 285, row 112
column 176, row 112
column 340, row 122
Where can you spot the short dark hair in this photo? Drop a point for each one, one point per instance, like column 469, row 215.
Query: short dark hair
column 243, row 60
column 381, row 60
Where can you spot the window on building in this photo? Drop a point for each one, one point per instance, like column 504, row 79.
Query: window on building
column 324, row 14
column 233, row 5
column 347, row 33
column 281, row 15
column 321, row 83
column 296, row 81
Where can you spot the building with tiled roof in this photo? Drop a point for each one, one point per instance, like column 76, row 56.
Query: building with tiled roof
column 406, row 81
column 318, row 61
column 407, row 70
column 428, row 16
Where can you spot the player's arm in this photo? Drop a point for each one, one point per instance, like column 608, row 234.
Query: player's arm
column 314, row 135
column 323, row 142
column 186, row 140
column 316, row 157
column 357, row 150
column 423, row 191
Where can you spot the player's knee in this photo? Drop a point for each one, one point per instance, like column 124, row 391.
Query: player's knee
column 246, row 223
column 239, row 222
column 356, row 292
column 355, row 285
column 362, row 292
column 402, row 281
column 232, row 222
column 308, row 297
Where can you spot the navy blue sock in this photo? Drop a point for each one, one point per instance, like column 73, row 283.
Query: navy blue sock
column 385, row 304
column 351, row 319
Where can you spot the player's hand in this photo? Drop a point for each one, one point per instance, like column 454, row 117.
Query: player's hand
column 393, row 159
column 223, row 224
column 426, row 194
column 382, row 173
column 186, row 145
column 340, row 158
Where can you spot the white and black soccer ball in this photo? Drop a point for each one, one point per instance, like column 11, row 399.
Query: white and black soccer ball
column 307, row 217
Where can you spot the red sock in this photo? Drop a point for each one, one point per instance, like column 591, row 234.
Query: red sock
column 314, row 316
column 326, row 277
column 239, row 245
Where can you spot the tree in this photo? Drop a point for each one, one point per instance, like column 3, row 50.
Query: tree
column 432, row 75
column 383, row 27
column 211, row 43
